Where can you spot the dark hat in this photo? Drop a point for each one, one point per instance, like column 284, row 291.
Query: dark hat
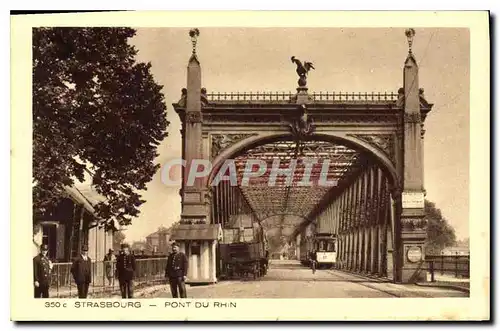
column 110, row 250
column 44, row 247
column 85, row 248
column 175, row 243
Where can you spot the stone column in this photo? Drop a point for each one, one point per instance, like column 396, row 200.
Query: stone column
column 205, row 257
column 410, row 228
column 194, row 197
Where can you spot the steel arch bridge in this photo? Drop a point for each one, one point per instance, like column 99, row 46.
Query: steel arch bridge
column 372, row 144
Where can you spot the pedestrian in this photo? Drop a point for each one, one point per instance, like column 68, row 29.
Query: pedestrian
column 81, row 269
column 42, row 268
column 109, row 261
column 125, row 269
column 176, row 272
column 313, row 260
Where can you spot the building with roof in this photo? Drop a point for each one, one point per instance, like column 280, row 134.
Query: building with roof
column 158, row 241
column 72, row 224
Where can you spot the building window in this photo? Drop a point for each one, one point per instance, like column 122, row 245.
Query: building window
column 49, row 238
column 195, row 248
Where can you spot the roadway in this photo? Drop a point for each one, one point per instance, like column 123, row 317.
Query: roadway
column 288, row 279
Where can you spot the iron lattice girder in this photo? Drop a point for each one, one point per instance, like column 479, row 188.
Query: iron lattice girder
column 291, row 197
column 334, row 158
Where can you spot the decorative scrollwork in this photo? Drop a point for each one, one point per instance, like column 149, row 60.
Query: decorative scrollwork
column 222, row 141
column 410, row 224
column 384, row 142
column 412, row 118
column 193, row 221
column 422, row 131
column 193, row 117
column 183, row 100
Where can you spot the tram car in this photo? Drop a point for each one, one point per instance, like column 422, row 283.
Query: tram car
column 244, row 252
column 325, row 245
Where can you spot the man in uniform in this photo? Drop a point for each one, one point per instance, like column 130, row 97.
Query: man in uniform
column 125, row 269
column 42, row 268
column 82, row 273
column 176, row 271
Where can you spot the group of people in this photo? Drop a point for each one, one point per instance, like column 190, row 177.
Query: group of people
column 125, row 266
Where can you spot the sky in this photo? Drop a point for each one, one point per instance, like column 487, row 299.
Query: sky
column 347, row 60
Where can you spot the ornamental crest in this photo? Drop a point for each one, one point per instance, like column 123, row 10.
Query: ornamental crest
column 384, row 142
column 222, row 141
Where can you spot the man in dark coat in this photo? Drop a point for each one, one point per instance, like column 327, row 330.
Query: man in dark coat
column 42, row 268
column 125, row 269
column 176, row 271
column 82, row 273
column 314, row 260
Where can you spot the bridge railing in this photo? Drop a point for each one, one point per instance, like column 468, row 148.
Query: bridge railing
column 452, row 265
column 355, row 96
column 104, row 282
column 250, row 96
column 349, row 97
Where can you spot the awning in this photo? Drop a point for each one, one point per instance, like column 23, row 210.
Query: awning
column 196, row 232
column 83, row 199
column 80, row 198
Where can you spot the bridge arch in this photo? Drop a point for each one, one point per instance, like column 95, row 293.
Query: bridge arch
column 340, row 138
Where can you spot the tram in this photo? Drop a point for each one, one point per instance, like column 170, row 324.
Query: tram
column 325, row 245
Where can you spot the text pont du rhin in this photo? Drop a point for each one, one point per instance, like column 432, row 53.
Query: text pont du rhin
column 199, row 304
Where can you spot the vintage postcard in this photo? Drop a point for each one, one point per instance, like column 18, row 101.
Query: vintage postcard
column 265, row 166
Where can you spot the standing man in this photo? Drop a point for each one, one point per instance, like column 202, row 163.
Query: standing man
column 82, row 273
column 313, row 258
column 125, row 269
column 109, row 260
column 176, row 271
column 42, row 268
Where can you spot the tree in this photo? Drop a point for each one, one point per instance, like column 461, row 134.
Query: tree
column 138, row 246
column 162, row 229
column 440, row 233
column 118, row 239
column 463, row 243
column 95, row 110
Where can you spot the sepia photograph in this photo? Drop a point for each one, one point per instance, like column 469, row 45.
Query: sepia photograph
column 205, row 162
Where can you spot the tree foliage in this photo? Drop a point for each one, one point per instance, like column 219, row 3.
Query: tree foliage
column 95, row 109
column 138, row 246
column 463, row 243
column 440, row 233
column 118, row 239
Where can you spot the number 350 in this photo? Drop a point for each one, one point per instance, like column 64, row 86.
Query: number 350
column 53, row 304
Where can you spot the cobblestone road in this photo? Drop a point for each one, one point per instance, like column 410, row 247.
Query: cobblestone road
column 288, row 279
